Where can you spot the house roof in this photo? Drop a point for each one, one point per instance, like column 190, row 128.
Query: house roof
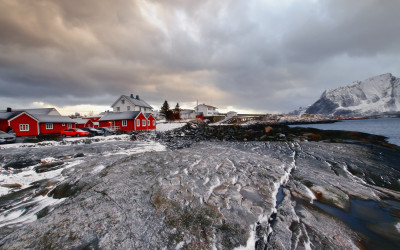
column 113, row 116
column 4, row 115
column 208, row 106
column 38, row 111
column 81, row 120
column 187, row 111
column 132, row 99
column 54, row 118
column 148, row 115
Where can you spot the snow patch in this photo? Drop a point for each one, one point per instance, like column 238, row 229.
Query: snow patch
column 251, row 241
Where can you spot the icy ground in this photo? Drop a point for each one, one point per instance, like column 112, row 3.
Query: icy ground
column 122, row 194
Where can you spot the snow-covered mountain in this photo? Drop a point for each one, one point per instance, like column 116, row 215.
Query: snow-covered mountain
column 373, row 96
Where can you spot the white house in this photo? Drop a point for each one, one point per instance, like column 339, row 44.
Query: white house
column 188, row 114
column 131, row 103
column 207, row 110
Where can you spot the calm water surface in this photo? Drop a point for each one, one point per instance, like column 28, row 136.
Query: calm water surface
column 389, row 127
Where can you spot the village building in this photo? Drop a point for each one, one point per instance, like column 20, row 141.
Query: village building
column 131, row 103
column 151, row 121
column 32, row 122
column 187, row 114
column 83, row 123
column 94, row 119
column 206, row 110
column 124, row 121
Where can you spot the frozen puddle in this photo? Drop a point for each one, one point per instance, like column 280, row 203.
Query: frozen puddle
column 139, row 147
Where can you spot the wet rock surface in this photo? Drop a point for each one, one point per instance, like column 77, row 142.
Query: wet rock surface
column 285, row 194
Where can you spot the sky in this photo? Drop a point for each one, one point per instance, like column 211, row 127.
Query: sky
column 253, row 56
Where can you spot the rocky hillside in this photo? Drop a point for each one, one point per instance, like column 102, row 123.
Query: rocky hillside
column 374, row 96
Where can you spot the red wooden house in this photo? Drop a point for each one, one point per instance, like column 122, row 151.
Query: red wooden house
column 94, row 119
column 124, row 121
column 151, row 121
column 34, row 122
column 83, row 123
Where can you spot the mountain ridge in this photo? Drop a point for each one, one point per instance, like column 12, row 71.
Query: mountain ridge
column 373, row 96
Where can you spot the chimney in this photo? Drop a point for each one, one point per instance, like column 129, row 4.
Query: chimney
column 137, row 97
column 132, row 96
column 9, row 109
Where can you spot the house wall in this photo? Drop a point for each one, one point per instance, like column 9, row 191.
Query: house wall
column 24, row 119
column 3, row 125
column 89, row 123
column 151, row 119
column 142, row 118
column 117, row 125
column 207, row 111
column 57, row 127
column 124, row 106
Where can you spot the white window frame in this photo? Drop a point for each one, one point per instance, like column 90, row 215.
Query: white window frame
column 154, row 122
column 137, row 123
column 63, row 124
column 118, row 109
column 148, row 123
column 124, row 123
column 69, row 125
column 24, row 127
column 123, row 101
column 128, row 108
column 144, row 123
column 49, row 125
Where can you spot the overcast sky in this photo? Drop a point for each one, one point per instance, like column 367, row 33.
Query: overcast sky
column 250, row 56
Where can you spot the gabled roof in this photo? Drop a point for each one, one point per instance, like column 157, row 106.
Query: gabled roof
column 147, row 115
column 187, row 111
column 113, row 116
column 208, row 106
column 4, row 115
column 40, row 111
column 132, row 99
column 81, row 120
column 54, row 118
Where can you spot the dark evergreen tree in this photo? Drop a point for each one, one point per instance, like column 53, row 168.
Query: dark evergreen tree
column 166, row 111
column 177, row 112
column 165, row 108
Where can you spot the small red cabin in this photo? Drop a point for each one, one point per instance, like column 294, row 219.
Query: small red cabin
column 151, row 121
column 124, row 121
column 83, row 123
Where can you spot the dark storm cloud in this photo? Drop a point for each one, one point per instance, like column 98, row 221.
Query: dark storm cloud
column 255, row 55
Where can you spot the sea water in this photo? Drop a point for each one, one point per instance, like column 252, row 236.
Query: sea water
column 389, row 127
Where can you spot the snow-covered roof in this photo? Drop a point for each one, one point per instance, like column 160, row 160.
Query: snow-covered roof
column 134, row 101
column 113, row 116
column 80, row 120
column 148, row 115
column 208, row 106
column 40, row 111
column 4, row 115
column 187, row 111
column 54, row 118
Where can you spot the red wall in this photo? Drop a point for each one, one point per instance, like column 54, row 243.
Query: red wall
column 24, row 119
column 151, row 119
column 89, row 123
column 3, row 125
column 57, row 127
column 131, row 124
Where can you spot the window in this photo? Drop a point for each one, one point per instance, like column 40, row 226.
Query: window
column 148, row 123
column 124, row 123
column 49, row 125
column 123, row 101
column 63, row 124
column 137, row 123
column 69, row 125
column 144, row 123
column 128, row 108
column 154, row 123
column 118, row 109
column 24, row 127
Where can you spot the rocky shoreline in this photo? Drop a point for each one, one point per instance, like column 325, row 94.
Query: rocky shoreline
column 259, row 187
